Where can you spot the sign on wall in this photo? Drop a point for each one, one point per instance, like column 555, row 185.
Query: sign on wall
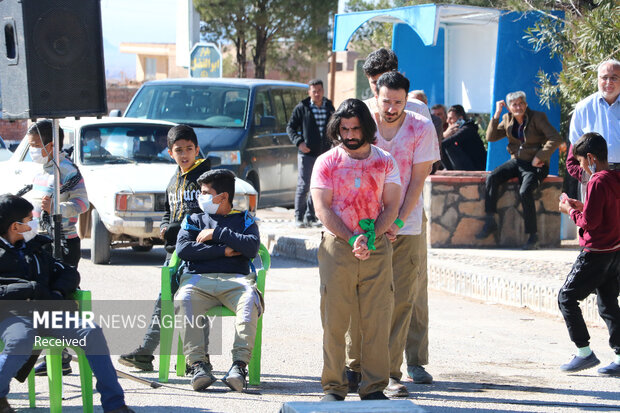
column 205, row 61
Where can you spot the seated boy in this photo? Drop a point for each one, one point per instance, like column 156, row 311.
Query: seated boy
column 597, row 268
column 28, row 272
column 218, row 247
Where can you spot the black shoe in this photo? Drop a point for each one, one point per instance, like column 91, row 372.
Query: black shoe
column 235, row 378
column 5, row 407
column 490, row 227
column 331, row 397
column 376, row 395
column 532, row 242
column 123, row 409
column 41, row 369
column 300, row 224
column 139, row 358
column 354, row 379
column 202, row 376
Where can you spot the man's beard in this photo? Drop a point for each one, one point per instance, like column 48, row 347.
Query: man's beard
column 353, row 144
column 395, row 116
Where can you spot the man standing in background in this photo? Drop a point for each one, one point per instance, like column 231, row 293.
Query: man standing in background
column 306, row 129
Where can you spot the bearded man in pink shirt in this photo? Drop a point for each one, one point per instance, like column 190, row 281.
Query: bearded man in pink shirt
column 356, row 192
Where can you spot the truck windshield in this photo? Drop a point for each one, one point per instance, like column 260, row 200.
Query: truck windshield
column 208, row 106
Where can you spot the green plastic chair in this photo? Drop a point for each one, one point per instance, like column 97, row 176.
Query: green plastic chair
column 167, row 310
column 53, row 360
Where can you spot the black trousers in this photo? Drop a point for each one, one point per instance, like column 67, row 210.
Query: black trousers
column 72, row 254
column 592, row 272
column 304, row 208
column 529, row 179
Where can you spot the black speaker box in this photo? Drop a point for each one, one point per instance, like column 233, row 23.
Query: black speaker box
column 51, row 59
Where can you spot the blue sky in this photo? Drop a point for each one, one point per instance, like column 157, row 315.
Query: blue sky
column 134, row 21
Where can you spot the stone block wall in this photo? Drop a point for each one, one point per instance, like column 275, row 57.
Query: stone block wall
column 454, row 204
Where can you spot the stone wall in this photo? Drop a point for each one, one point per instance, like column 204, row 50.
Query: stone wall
column 454, row 204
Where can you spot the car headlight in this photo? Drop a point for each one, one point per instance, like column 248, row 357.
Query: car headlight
column 135, row 202
column 227, row 157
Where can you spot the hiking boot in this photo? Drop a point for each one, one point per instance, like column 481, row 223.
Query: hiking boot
column 235, row 378
column 375, row 395
column 139, row 358
column 532, row 242
column 612, row 370
column 395, row 389
column 490, row 227
column 5, row 407
column 41, row 369
column 419, row 375
column 202, row 376
column 354, row 379
column 331, row 397
column 580, row 363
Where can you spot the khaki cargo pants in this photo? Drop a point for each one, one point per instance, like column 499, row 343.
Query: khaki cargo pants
column 200, row 292
column 363, row 288
column 409, row 324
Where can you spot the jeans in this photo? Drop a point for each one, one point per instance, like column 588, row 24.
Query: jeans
column 18, row 335
column 304, row 208
column 592, row 272
column 529, row 179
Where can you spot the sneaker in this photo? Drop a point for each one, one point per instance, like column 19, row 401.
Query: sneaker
column 419, row 375
column 532, row 242
column 139, row 358
column 235, row 378
column 580, row 363
column 490, row 227
column 612, row 370
column 354, row 379
column 331, row 397
column 41, row 369
column 395, row 389
column 315, row 223
column 202, row 376
column 5, row 407
column 376, row 395
column 300, row 224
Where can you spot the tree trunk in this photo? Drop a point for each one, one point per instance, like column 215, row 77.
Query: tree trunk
column 241, row 47
column 260, row 53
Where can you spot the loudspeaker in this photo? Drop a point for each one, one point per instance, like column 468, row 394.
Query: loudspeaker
column 51, row 59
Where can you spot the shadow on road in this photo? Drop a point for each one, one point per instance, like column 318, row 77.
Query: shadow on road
column 129, row 257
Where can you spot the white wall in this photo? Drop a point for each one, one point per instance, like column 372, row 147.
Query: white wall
column 469, row 65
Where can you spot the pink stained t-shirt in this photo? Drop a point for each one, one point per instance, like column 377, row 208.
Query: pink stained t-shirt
column 415, row 142
column 356, row 184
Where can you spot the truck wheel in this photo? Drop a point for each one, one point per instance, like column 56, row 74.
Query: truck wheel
column 100, row 249
column 142, row 248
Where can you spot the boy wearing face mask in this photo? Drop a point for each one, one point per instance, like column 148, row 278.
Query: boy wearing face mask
column 597, row 268
column 29, row 273
column 217, row 248
column 73, row 198
column 181, row 200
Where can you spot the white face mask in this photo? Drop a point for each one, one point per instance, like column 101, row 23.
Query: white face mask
column 37, row 155
column 205, row 201
column 34, row 229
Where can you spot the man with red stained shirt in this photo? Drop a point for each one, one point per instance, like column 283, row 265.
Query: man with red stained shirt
column 356, row 190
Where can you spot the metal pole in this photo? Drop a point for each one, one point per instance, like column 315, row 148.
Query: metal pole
column 332, row 77
column 56, row 217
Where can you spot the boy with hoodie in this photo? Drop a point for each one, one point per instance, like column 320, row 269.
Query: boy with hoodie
column 181, row 200
column 597, row 268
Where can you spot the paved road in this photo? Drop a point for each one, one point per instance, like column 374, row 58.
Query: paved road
column 484, row 357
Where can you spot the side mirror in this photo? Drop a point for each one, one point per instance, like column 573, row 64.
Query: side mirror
column 115, row 113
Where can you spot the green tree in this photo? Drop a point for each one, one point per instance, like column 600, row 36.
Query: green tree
column 266, row 26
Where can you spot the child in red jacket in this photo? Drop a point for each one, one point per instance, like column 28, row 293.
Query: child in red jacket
column 597, row 268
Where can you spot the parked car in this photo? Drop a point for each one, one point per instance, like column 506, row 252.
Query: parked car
column 5, row 153
column 125, row 176
column 241, row 121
